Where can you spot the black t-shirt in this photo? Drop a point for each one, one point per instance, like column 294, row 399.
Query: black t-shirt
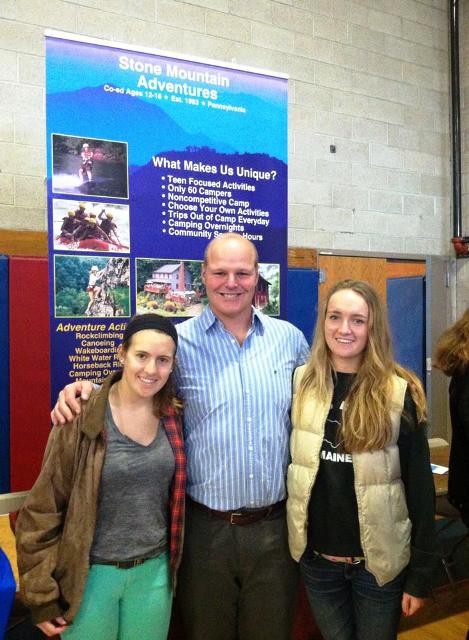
column 333, row 513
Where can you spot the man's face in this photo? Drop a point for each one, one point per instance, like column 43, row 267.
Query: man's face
column 230, row 278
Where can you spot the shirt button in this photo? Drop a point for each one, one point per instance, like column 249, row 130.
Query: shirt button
column 251, row 448
column 251, row 476
column 249, row 420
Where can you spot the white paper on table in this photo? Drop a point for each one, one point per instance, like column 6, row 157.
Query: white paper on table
column 438, row 468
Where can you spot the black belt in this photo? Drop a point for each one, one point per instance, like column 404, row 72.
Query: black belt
column 125, row 564
column 240, row 517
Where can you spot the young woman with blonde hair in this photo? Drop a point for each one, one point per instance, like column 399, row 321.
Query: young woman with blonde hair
column 452, row 357
column 361, row 497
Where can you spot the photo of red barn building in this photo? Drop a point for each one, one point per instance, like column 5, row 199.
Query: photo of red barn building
column 170, row 277
column 261, row 294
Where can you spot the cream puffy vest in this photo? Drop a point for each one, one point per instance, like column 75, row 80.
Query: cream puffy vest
column 385, row 527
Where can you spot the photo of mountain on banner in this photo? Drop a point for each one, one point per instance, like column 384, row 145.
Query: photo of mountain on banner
column 91, row 286
column 89, row 166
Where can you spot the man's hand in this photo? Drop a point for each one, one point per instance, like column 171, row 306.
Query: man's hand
column 411, row 604
column 68, row 405
column 53, row 627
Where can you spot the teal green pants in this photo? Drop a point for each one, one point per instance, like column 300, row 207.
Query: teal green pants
column 125, row 604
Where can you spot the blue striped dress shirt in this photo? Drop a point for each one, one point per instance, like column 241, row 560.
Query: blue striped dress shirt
column 237, row 403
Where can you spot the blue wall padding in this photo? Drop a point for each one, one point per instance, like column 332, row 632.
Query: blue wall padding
column 302, row 308
column 406, row 309
column 7, row 592
column 4, row 380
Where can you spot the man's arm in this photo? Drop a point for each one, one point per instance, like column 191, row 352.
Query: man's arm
column 103, row 234
column 114, row 231
column 68, row 404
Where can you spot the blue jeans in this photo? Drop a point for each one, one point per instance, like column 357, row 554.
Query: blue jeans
column 347, row 602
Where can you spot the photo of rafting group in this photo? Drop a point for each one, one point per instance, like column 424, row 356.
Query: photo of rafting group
column 90, row 285
column 91, row 226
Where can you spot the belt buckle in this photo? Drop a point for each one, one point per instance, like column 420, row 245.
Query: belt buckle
column 234, row 514
column 130, row 564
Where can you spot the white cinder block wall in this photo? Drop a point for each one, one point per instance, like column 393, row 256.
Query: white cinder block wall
column 368, row 76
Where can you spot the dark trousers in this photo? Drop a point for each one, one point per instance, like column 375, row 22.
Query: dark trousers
column 236, row 583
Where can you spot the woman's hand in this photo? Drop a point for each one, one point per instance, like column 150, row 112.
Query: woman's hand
column 68, row 405
column 53, row 627
column 411, row 604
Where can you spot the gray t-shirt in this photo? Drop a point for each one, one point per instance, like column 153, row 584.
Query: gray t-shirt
column 133, row 500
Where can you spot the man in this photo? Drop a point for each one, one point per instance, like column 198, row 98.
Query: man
column 69, row 225
column 80, row 212
column 86, row 163
column 94, row 287
column 108, row 226
column 235, row 365
column 90, row 230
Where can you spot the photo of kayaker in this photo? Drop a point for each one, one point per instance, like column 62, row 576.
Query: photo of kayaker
column 91, row 226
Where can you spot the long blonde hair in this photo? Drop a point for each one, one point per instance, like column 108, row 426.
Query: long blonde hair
column 452, row 349
column 366, row 420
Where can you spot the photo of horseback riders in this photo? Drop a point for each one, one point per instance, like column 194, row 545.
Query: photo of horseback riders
column 89, row 166
column 91, row 226
column 91, row 286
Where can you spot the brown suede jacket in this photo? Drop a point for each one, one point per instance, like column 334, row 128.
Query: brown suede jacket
column 56, row 524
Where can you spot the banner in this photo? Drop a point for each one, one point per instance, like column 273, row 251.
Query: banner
column 150, row 157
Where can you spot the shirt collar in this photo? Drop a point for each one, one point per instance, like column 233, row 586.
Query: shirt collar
column 208, row 319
